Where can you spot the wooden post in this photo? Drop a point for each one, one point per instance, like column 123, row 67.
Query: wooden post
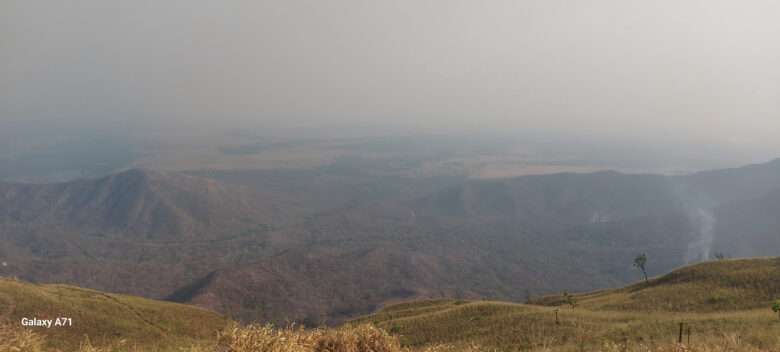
column 689, row 336
column 679, row 339
column 556, row 318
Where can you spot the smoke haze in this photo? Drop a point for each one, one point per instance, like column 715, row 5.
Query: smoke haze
column 703, row 71
column 701, row 248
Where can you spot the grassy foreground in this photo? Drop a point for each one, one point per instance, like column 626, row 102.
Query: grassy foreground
column 726, row 305
column 361, row 338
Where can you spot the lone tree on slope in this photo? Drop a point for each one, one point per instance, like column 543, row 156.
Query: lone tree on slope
column 640, row 263
column 569, row 299
column 776, row 307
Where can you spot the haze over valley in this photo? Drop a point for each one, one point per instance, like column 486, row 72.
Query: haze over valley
column 179, row 174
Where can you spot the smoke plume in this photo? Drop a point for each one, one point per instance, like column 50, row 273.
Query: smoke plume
column 704, row 222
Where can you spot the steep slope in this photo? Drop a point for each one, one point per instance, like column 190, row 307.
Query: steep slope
column 105, row 318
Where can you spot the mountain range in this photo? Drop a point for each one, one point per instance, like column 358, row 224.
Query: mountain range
column 322, row 246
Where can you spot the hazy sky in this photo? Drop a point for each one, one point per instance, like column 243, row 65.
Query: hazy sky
column 706, row 69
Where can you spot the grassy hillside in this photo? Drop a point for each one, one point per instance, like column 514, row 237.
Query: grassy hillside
column 644, row 317
column 726, row 285
column 720, row 301
column 105, row 318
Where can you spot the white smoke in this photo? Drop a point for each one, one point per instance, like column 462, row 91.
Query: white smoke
column 701, row 248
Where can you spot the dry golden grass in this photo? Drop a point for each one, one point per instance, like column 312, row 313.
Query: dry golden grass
column 125, row 323
column 366, row 338
column 727, row 304
column 724, row 343
column 718, row 286
column 363, row 338
column 16, row 340
column 515, row 327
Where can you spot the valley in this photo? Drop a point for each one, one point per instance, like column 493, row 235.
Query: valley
column 320, row 247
